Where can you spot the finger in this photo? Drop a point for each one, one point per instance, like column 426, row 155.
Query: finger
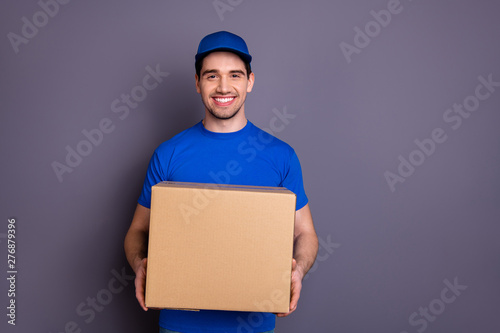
column 292, row 309
column 140, row 282
column 143, row 304
column 139, row 293
column 295, row 294
column 282, row 315
column 294, row 298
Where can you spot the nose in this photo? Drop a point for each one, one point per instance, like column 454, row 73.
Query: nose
column 223, row 86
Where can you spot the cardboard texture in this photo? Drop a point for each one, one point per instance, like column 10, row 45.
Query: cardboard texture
column 220, row 247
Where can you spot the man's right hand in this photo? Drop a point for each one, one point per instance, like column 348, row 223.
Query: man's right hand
column 140, row 282
column 136, row 247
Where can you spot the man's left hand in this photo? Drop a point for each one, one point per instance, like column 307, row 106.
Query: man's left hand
column 297, row 276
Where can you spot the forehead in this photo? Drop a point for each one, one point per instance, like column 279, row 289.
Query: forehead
column 223, row 61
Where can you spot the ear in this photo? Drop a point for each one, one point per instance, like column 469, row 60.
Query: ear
column 197, row 80
column 251, row 80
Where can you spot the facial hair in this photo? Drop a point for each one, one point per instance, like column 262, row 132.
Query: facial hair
column 222, row 116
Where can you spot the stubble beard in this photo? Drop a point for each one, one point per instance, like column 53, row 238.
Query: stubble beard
column 221, row 116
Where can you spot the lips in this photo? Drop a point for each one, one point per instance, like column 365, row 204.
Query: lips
column 223, row 101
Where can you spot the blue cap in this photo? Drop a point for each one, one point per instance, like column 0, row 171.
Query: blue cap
column 223, row 41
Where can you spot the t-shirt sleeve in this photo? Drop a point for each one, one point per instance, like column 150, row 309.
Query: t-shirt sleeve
column 293, row 181
column 154, row 175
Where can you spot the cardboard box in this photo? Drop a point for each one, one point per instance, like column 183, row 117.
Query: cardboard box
column 220, row 247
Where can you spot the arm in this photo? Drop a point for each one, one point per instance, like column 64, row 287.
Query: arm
column 305, row 249
column 135, row 245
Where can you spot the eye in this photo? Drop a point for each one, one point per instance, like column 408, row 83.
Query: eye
column 235, row 76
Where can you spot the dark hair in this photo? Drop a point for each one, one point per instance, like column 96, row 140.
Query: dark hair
column 199, row 64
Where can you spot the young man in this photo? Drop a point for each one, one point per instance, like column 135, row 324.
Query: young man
column 203, row 153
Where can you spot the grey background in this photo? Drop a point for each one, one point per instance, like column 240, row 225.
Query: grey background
column 388, row 253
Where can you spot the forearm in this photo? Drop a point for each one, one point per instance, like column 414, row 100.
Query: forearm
column 136, row 240
column 305, row 250
column 135, row 247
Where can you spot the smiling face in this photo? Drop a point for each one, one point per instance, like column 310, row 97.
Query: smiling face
column 223, row 85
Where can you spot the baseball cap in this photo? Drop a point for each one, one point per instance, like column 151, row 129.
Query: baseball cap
column 223, row 41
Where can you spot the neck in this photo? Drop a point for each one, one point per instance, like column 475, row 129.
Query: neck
column 225, row 125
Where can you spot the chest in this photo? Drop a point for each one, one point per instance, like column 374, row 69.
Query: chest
column 226, row 166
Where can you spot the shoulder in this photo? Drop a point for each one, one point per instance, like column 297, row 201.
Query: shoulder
column 272, row 143
column 182, row 138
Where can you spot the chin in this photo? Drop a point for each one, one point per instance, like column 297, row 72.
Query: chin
column 223, row 116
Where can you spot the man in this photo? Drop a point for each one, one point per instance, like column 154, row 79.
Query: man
column 203, row 153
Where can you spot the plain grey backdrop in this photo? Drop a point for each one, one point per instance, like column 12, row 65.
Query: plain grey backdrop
column 393, row 109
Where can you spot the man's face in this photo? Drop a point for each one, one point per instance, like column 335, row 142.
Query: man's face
column 223, row 84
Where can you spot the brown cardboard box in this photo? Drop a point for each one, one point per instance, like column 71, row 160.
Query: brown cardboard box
column 220, row 247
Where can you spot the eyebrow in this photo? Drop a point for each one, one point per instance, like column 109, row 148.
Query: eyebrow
column 237, row 71
column 210, row 71
column 215, row 71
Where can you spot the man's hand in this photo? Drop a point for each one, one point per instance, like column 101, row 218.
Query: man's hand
column 305, row 249
column 136, row 245
column 140, row 282
column 297, row 276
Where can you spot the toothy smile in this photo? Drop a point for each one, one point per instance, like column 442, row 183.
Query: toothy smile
column 224, row 100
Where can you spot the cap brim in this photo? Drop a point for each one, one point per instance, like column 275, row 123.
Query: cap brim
column 246, row 57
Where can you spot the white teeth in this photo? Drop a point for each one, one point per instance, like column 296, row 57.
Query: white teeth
column 224, row 100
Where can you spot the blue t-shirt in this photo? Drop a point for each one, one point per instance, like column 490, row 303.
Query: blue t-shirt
column 249, row 156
